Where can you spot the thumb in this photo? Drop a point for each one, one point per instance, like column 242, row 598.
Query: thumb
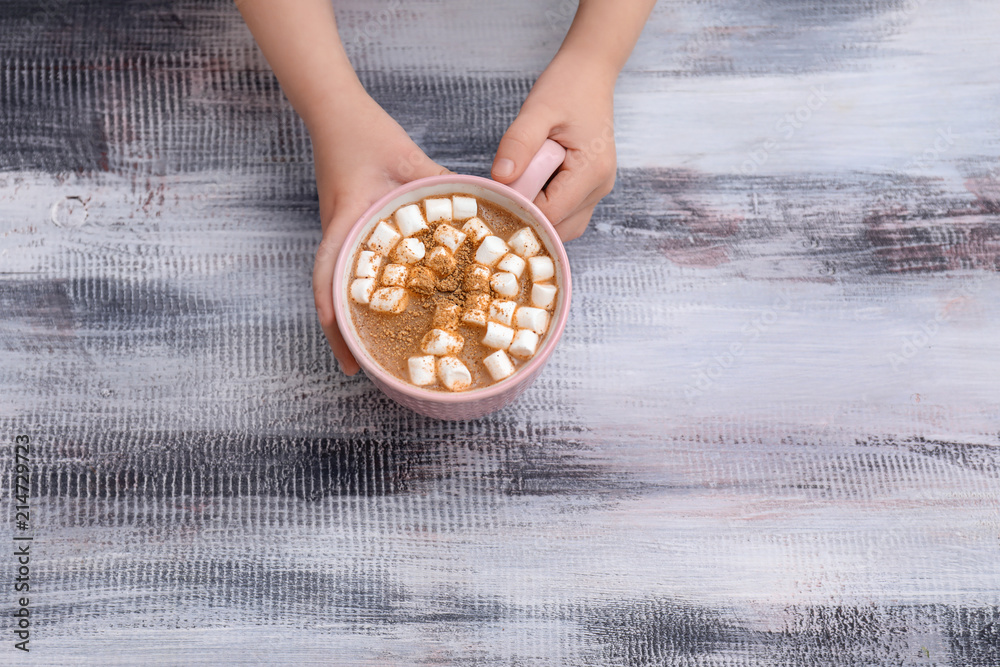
column 518, row 145
column 417, row 165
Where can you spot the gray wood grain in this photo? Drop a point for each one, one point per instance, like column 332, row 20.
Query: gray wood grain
column 769, row 436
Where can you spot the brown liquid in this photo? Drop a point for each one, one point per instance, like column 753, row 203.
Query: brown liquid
column 393, row 338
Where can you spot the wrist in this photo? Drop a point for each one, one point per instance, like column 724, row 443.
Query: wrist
column 585, row 65
column 325, row 109
column 577, row 77
column 602, row 36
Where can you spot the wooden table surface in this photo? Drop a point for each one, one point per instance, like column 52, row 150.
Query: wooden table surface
column 769, row 436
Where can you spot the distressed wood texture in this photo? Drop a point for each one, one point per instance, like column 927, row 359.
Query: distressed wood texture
column 770, row 436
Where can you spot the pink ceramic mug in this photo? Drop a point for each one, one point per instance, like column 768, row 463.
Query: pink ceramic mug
column 516, row 198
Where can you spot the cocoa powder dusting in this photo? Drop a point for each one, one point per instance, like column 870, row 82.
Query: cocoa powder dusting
column 437, row 300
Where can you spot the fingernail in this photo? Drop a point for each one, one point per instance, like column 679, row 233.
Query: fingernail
column 503, row 167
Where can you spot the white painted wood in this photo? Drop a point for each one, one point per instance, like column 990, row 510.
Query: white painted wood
column 769, row 435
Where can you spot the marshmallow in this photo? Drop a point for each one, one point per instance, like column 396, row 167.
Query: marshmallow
column 543, row 295
column 422, row 370
column 535, row 319
column 474, row 317
column 502, row 311
column 476, row 305
column 490, row 250
column 453, row 374
column 421, row 280
column 477, row 278
column 498, row 336
column 368, row 263
column 463, row 207
column 524, row 242
column 390, row 300
column 511, row 263
column 499, row 365
column 440, row 342
column 449, row 237
column 437, row 209
column 441, row 261
column 541, row 268
column 504, row 284
column 362, row 288
column 478, row 301
column 476, row 229
column 524, row 344
column 446, row 316
column 395, row 275
column 383, row 238
column 408, row 251
column 409, row 220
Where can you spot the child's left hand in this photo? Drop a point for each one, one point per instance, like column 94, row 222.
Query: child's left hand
column 574, row 108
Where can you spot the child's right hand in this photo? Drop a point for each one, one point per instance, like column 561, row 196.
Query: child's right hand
column 360, row 156
column 360, row 152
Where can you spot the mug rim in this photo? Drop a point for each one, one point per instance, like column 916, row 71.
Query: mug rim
column 342, row 311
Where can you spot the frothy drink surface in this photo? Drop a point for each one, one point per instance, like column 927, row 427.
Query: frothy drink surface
column 448, row 282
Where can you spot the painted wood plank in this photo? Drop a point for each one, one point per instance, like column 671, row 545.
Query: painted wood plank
column 769, row 435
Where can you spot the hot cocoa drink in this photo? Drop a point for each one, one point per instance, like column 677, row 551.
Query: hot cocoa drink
column 452, row 293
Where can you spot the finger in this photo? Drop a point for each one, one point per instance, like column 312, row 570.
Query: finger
column 583, row 181
column 519, row 144
column 326, row 258
column 417, row 165
column 565, row 194
column 575, row 225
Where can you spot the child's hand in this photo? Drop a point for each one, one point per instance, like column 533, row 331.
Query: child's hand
column 572, row 103
column 360, row 152
column 575, row 110
column 356, row 163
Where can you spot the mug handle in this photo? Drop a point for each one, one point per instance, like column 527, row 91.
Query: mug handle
column 545, row 162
